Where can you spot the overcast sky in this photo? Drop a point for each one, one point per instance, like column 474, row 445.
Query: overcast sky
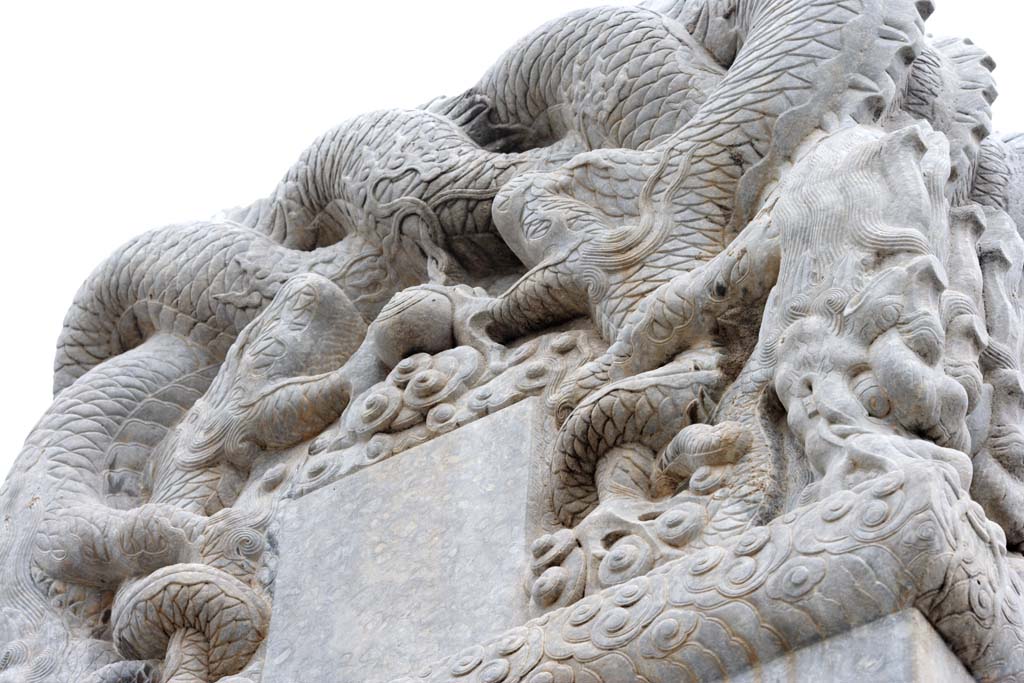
column 118, row 117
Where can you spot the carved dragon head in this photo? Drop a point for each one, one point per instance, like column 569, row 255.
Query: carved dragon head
column 279, row 385
column 862, row 339
column 874, row 392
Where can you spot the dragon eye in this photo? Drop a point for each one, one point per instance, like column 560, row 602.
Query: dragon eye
column 888, row 315
column 872, row 396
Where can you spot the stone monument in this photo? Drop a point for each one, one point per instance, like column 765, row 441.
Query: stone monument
column 686, row 345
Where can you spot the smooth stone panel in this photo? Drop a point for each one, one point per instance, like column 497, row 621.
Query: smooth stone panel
column 406, row 562
column 901, row 648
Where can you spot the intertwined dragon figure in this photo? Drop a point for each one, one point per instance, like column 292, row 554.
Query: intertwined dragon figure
column 628, row 157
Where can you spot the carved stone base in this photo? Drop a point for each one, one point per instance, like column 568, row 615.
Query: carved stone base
column 407, row 561
column 902, row 648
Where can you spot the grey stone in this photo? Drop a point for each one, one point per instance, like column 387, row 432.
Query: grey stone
column 900, row 648
column 398, row 564
column 685, row 343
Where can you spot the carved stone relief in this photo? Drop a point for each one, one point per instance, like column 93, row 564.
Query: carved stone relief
column 757, row 267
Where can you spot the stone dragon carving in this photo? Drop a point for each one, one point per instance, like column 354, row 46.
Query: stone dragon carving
column 767, row 592
column 762, row 259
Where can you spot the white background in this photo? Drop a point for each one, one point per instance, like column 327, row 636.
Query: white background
column 117, row 117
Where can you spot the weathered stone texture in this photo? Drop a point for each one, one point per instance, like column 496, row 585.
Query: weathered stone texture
column 685, row 345
column 902, row 647
column 422, row 554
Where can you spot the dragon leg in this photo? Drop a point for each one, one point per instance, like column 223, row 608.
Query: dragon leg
column 687, row 312
column 648, row 409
